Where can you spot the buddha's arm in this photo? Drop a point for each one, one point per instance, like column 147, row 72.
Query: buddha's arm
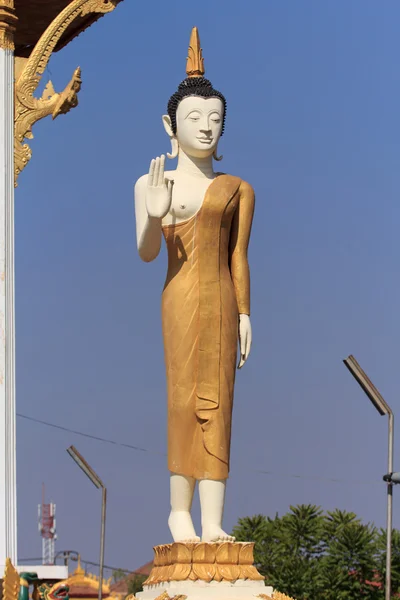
column 239, row 242
column 148, row 229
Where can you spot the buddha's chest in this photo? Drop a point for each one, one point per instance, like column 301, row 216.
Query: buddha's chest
column 187, row 199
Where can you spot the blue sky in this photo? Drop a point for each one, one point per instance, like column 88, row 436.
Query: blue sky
column 313, row 92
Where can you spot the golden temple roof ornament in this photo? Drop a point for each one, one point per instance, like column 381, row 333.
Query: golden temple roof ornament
column 195, row 60
column 28, row 108
column 8, row 20
column 11, row 582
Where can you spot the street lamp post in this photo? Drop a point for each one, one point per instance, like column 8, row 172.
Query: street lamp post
column 383, row 409
column 95, row 479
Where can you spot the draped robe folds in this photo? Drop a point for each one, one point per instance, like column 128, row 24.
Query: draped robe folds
column 207, row 286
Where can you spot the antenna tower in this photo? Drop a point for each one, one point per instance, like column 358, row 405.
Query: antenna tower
column 47, row 530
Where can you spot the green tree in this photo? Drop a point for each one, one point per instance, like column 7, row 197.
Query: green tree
column 287, row 549
column 118, row 574
column 381, row 563
column 349, row 567
column 135, row 584
column 310, row 555
column 258, row 530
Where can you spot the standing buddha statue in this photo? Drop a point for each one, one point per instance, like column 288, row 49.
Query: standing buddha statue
column 205, row 218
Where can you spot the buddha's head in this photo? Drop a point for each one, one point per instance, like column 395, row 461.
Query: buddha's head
column 196, row 112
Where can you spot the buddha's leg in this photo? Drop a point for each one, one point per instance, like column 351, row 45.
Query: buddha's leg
column 212, row 500
column 180, row 521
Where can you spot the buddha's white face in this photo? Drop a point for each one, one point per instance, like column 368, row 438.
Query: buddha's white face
column 199, row 125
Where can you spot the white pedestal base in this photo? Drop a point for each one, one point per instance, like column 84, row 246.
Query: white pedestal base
column 201, row 590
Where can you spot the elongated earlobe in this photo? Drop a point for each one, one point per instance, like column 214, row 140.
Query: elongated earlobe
column 174, row 142
column 174, row 148
column 215, row 155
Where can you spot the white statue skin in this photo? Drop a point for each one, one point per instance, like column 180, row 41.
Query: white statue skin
column 165, row 197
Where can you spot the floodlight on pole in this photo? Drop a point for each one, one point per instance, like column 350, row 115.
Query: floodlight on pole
column 95, row 479
column 363, row 380
column 390, row 478
column 86, row 468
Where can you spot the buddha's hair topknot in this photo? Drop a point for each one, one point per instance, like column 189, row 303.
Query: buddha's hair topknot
column 194, row 86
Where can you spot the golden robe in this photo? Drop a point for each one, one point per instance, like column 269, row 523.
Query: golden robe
column 207, row 287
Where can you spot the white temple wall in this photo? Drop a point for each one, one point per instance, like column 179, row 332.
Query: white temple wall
column 8, row 516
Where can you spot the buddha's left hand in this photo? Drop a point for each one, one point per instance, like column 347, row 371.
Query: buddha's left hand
column 245, row 337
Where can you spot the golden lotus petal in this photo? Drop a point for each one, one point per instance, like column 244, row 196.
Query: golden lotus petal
column 180, row 572
column 158, row 575
column 168, row 552
column 161, row 554
column 169, row 572
column 205, row 572
column 204, row 553
column 250, row 572
column 152, row 577
column 165, row 555
column 229, row 572
column 157, row 552
column 228, row 554
column 163, row 574
column 181, row 553
column 246, row 554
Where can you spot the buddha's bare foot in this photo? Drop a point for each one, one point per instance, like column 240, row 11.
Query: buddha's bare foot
column 213, row 533
column 181, row 527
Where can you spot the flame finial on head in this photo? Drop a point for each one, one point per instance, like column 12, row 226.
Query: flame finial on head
column 195, row 60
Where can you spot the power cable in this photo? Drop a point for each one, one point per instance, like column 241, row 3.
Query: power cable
column 90, row 436
column 37, row 560
column 140, row 449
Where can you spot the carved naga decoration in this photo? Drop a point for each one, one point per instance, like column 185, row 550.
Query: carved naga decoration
column 16, row 586
column 28, row 108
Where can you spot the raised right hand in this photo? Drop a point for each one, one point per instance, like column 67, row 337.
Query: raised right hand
column 159, row 190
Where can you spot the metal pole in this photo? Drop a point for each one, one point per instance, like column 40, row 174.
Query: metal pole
column 384, row 409
column 95, row 479
column 389, row 512
column 102, row 539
